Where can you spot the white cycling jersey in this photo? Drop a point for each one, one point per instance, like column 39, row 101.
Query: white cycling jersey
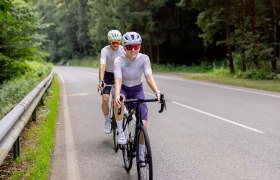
column 108, row 56
column 131, row 72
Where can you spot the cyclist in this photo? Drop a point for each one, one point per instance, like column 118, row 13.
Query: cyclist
column 106, row 71
column 128, row 70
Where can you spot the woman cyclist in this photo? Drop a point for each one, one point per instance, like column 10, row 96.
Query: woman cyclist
column 106, row 72
column 128, row 71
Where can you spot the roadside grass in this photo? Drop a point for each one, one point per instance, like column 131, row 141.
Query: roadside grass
column 270, row 85
column 14, row 90
column 219, row 75
column 34, row 161
column 181, row 68
column 81, row 62
column 215, row 72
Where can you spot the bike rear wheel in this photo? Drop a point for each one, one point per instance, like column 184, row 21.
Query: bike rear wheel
column 127, row 149
column 115, row 135
column 144, row 168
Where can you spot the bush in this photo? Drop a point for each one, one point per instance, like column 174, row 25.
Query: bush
column 257, row 75
column 14, row 90
column 221, row 72
column 10, row 68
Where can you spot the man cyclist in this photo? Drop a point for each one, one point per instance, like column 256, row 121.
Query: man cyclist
column 128, row 71
column 106, row 72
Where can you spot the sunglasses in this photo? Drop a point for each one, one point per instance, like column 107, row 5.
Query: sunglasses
column 115, row 43
column 136, row 47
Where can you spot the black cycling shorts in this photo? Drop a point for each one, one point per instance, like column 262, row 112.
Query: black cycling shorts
column 109, row 80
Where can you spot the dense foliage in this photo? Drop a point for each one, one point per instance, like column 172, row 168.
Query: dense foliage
column 20, row 38
column 186, row 32
column 246, row 32
column 250, row 28
column 13, row 91
column 169, row 32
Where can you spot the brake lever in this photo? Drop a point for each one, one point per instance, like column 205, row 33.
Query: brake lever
column 162, row 103
column 102, row 85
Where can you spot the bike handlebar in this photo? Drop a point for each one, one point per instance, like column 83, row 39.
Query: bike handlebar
column 162, row 102
column 104, row 85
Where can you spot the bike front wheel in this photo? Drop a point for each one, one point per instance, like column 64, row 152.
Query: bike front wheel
column 127, row 149
column 143, row 155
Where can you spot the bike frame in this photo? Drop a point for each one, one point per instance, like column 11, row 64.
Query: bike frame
column 112, row 115
column 137, row 113
column 138, row 121
column 130, row 150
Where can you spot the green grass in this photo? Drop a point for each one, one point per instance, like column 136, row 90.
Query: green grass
column 219, row 75
column 180, row 68
column 34, row 161
column 270, row 85
column 216, row 72
column 82, row 62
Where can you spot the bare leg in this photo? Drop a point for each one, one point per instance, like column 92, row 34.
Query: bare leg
column 105, row 104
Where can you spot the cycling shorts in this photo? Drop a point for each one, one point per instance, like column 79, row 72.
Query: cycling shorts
column 135, row 92
column 109, row 80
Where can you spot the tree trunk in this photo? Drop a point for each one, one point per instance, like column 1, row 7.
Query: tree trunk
column 228, row 31
column 253, row 19
column 151, row 54
column 242, row 27
column 274, row 35
column 158, row 55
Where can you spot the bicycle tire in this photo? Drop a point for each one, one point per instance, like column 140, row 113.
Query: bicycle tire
column 114, row 128
column 146, row 172
column 115, row 135
column 127, row 148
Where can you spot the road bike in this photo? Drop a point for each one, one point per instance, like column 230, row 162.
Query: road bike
column 137, row 134
column 112, row 116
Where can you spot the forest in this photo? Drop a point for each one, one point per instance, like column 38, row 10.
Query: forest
column 243, row 33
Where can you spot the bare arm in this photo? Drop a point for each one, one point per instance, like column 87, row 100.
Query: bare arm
column 118, row 83
column 101, row 83
column 101, row 72
column 151, row 82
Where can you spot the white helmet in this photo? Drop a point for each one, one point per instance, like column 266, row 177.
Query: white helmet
column 114, row 35
column 131, row 38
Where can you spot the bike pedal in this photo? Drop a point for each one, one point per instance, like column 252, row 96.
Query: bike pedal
column 121, row 147
column 142, row 164
column 133, row 154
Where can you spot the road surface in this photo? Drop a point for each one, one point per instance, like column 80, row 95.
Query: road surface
column 209, row 131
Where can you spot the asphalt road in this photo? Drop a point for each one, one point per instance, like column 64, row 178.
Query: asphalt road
column 209, row 131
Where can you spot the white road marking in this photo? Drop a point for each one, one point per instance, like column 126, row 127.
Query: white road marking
column 79, row 94
column 220, row 118
column 220, row 86
column 72, row 163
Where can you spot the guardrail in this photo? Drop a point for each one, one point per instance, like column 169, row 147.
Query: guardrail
column 13, row 123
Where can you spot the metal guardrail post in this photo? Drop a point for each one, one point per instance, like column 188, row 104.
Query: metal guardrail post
column 34, row 114
column 42, row 102
column 16, row 149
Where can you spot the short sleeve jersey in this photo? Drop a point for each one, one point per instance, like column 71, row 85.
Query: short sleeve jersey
column 131, row 72
column 108, row 56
